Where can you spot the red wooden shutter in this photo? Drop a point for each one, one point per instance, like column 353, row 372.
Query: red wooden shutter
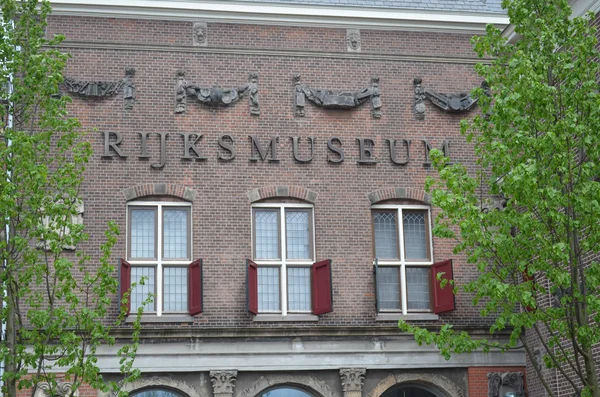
column 125, row 283
column 195, row 287
column 443, row 298
column 322, row 297
column 252, row 286
column 375, row 272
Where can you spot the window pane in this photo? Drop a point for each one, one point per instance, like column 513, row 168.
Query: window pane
column 417, row 285
column 141, row 292
column 299, row 289
column 175, row 224
column 297, row 234
column 386, row 231
column 267, row 234
column 268, row 289
column 175, row 289
column 142, row 233
column 388, row 288
column 415, row 241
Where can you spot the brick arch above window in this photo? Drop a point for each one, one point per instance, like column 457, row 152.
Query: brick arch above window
column 159, row 189
column 282, row 191
column 391, row 193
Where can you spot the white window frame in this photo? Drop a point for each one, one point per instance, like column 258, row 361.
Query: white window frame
column 283, row 263
column 402, row 263
column 159, row 262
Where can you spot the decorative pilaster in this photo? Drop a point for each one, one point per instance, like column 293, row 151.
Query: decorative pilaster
column 352, row 381
column 223, row 382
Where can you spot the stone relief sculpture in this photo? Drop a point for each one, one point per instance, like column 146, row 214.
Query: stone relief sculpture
column 199, row 35
column 353, row 40
column 513, row 380
column 103, row 89
column 452, row 103
column 216, row 96
column 344, row 101
column 62, row 389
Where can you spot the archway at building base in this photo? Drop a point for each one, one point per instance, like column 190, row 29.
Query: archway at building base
column 428, row 385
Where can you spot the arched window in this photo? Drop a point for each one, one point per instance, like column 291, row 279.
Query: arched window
column 286, row 391
column 410, row 390
column 156, row 392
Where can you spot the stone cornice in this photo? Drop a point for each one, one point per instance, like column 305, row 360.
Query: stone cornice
column 283, row 14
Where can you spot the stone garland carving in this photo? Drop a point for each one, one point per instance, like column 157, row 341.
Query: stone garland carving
column 103, row 89
column 62, row 389
column 345, row 100
column 199, row 34
column 353, row 40
column 514, row 380
column 223, row 382
column 216, row 96
column 352, row 380
column 451, row 103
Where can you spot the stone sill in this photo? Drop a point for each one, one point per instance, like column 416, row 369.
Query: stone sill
column 288, row 318
column 407, row 317
column 168, row 318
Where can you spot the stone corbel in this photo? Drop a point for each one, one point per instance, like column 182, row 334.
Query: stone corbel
column 342, row 101
column 352, row 381
column 61, row 389
column 216, row 96
column 103, row 89
column 223, row 382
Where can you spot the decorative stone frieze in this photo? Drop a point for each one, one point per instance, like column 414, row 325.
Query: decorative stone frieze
column 61, row 389
column 223, row 382
column 501, row 382
column 216, row 96
column 342, row 101
column 451, row 103
column 103, row 89
column 352, row 381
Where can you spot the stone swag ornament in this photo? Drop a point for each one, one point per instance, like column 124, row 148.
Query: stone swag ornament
column 342, row 101
column 103, row 89
column 216, row 96
column 451, row 103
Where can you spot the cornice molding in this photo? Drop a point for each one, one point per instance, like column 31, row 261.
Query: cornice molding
column 283, row 14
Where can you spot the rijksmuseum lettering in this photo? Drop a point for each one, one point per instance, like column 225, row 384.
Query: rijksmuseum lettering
column 398, row 151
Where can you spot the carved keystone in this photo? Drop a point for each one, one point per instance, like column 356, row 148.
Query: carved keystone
column 352, row 381
column 223, row 382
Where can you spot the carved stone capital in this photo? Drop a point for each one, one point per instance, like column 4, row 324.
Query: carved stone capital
column 223, row 382
column 507, row 381
column 61, row 389
column 352, row 381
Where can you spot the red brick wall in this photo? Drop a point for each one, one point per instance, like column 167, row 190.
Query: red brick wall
column 221, row 210
column 478, row 380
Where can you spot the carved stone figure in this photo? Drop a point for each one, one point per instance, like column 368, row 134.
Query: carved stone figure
column 353, row 40
column 512, row 380
column 223, row 382
column 344, row 101
column 452, row 103
column 128, row 89
column 216, row 96
column 103, row 89
column 419, row 100
column 180, row 92
column 352, row 380
column 199, row 34
column 62, row 389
